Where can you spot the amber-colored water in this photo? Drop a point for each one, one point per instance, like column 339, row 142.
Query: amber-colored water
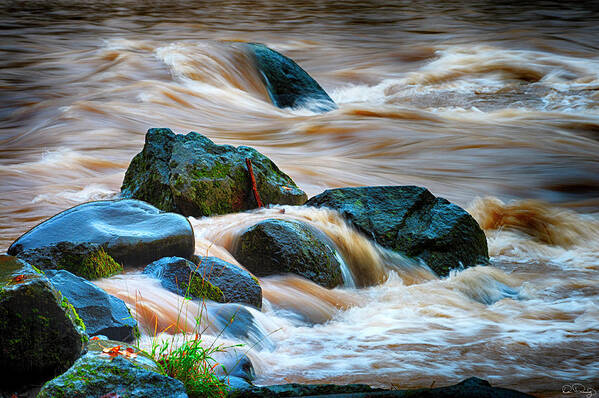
column 493, row 106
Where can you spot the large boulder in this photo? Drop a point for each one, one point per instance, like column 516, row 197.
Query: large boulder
column 411, row 221
column 237, row 284
column 122, row 372
column 191, row 175
column 40, row 331
column 182, row 277
column 101, row 312
column 130, row 231
column 288, row 85
column 274, row 247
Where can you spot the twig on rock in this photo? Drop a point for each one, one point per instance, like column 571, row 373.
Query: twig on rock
column 248, row 162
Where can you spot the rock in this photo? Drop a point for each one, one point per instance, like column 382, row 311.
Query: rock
column 142, row 358
column 181, row 276
column 100, row 375
column 234, row 363
column 40, row 331
column 469, row 388
column 235, row 383
column 191, row 175
column 236, row 321
column 413, row 222
column 288, row 85
column 102, row 313
column 237, row 284
column 130, row 231
column 88, row 260
column 274, row 247
column 301, row 390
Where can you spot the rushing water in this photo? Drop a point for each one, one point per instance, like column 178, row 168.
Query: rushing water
column 493, row 106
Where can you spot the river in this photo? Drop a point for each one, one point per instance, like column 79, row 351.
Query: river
column 492, row 105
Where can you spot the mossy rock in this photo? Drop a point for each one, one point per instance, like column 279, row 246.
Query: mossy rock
column 41, row 333
column 274, row 247
column 237, row 284
column 183, row 277
column 191, row 175
column 97, row 374
column 412, row 221
column 92, row 239
column 87, row 260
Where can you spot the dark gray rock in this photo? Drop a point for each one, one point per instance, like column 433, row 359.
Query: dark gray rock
column 288, row 85
column 95, row 374
column 413, row 222
column 191, row 175
column 237, row 284
column 181, row 276
column 40, row 331
column 274, row 247
column 130, row 231
column 469, row 388
column 102, row 313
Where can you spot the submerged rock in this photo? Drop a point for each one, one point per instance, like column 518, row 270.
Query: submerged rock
column 100, row 375
column 181, row 276
column 130, row 231
column 237, row 284
column 102, row 313
column 234, row 363
column 288, row 85
column 236, row 321
column 274, row 247
column 411, row 221
column 40, row 331
column 191, row 175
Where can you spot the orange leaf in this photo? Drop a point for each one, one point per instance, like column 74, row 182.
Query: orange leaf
column 131, row 350
column 95, row 338
column 19, row 278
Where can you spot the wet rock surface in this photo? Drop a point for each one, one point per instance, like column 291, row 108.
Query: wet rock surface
column 182, row 277
column 274, row 247
column 236, row 321
column 237, row 284
column 102, row 313
column 191, row 175
column 130, row 231
column 40, row 332
column 97, row 375
column 413, row 222
column 288, row 85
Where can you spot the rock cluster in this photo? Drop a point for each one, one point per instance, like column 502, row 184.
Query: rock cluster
column 43, row 316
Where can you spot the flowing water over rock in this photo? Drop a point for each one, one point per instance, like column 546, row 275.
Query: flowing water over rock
column 492, row 106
